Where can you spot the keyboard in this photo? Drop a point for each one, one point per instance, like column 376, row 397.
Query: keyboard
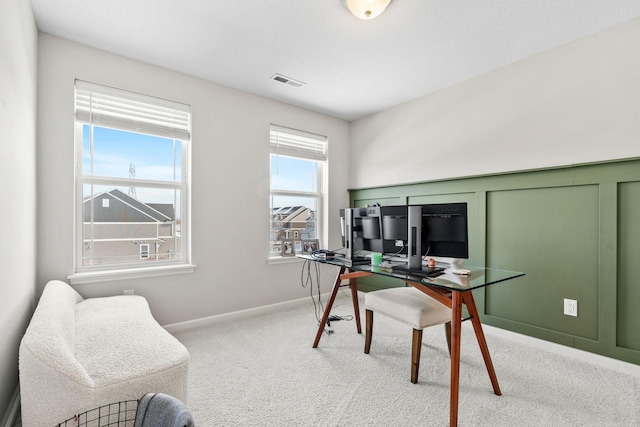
column 423, row 272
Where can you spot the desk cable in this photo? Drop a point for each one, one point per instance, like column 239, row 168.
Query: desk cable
column 306, row 280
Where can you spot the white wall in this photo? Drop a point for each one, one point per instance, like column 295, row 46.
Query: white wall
column 18, row 56
column 230, row 176
column 578, row 103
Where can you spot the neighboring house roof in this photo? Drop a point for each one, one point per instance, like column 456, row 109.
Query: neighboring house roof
column 285, row 211
column 292, row 214
column 164, row 208
column 121, row 207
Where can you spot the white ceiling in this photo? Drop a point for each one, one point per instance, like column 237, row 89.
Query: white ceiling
column 351, row 68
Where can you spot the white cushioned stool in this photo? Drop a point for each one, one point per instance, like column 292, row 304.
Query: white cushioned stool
column 411, row 306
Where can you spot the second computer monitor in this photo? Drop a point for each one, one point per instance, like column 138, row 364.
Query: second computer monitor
column 361, row 230
column 367, row 229
column 440, row 229
column 445, row 230
column 395, row 233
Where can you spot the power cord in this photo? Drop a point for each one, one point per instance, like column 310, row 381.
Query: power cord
column 306, row 280
column 307, row 275
column 336, row 318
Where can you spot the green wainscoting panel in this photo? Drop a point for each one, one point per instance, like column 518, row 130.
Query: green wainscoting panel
column 574, row 231
column 361, row 203
column 628, row 295
column 552, row 235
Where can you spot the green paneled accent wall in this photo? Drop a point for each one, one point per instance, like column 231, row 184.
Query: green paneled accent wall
column 574, row 231
column 628, row 295
column 552, row 235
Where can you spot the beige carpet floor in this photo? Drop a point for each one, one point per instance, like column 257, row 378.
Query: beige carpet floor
column 262, row 371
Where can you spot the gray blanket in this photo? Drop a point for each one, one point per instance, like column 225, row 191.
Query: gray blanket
column 162, row 410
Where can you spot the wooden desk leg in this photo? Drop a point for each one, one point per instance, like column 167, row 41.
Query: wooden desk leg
column 327, row 308
column 353, row 284
column 456, row 323
column 477, row 327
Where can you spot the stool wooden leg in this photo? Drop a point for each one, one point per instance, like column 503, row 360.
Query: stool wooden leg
column 416, row 344
column 368, row 331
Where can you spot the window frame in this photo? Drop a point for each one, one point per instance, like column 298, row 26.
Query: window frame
column 316, row 152
column 142, row 268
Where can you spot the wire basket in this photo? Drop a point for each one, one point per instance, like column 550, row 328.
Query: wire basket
column 121, row 414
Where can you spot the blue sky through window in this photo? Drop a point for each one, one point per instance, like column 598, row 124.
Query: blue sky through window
column 115, row 151
column 293, row 174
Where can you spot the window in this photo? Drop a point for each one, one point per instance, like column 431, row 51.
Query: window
column 297, row 162
column 132, row 183
column 144, row 251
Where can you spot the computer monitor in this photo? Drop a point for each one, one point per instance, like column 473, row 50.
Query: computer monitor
column 343, row 226
column 346, row 228
column 394, row 229
column 437, row 230
column 445, row 230
column 361, row 230
column 418, row 231
column 413, row 231
column 370, row 229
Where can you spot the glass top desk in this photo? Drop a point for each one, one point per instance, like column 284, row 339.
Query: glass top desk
column 450, row 289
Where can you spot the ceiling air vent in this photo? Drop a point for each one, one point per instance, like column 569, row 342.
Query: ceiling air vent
column 286, row 80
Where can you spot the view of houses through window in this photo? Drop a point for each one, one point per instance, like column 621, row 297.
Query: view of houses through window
column 296, row 161
column 118, row 228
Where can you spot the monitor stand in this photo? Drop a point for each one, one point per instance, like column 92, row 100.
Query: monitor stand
column 414, row 249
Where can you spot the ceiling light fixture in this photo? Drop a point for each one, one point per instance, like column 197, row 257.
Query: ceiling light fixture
column 367, row 9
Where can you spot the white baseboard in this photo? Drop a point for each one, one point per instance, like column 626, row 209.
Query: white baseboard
column 13, row 411
column 213, row 320
column 563, row 350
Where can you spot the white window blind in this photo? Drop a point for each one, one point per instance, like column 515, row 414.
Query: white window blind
column 114, row 108
column 295, row 143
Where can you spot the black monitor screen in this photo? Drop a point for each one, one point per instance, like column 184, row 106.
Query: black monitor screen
column 445, row 230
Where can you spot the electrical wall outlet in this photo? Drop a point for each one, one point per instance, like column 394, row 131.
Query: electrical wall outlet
column 570, row 307
column 128, row 291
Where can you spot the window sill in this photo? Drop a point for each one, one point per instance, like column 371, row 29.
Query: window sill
column 132, row 273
